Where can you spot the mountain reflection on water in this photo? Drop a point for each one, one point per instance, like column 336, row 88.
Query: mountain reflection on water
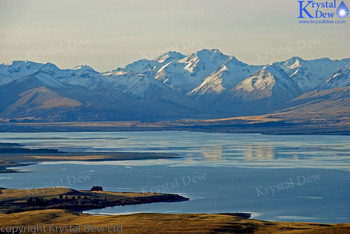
column 213, row 153
column 259, row 152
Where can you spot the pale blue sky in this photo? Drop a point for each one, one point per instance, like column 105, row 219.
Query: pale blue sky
column 106, row 34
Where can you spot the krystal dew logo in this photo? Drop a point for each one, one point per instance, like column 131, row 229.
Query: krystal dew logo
column 322, row 12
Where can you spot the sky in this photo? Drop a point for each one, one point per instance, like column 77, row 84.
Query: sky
column 106, row 34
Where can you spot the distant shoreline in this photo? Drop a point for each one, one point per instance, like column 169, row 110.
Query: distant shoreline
column 260, row 126
column 13, row 155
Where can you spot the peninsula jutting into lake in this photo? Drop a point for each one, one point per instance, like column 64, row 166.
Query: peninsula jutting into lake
column 20, row 200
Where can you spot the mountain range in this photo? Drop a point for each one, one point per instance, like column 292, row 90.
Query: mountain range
column 204, row 84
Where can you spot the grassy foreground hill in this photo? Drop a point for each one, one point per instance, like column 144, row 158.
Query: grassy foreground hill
column 161, row 223
column 54, row 210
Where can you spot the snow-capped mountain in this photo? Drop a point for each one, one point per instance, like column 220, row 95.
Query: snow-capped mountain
column 270, row 82
column 311, row 73
column 203, row 84
column 226, row 77
column 186, row 74
column 340, row 78
column 84, row 93
column 259, row 93
column 17, row 69
column 149, row 67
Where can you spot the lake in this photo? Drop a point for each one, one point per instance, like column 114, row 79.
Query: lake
column 280, row 178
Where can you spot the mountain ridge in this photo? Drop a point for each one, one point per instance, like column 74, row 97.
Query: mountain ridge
column 204, row 84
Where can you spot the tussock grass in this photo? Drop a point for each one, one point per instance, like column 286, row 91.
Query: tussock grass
column 169, row 223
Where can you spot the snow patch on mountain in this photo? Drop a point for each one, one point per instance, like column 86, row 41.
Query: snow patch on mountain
column 269, row 82
column 311, row 73
column 340, row 78
column 18, row 69
column 226, row 77
column 169, row 56
column 188, row 73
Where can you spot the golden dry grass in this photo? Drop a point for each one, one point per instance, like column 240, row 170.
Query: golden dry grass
column 169, row 223
column 150, row 223
column 20, row 200
column 23, row 194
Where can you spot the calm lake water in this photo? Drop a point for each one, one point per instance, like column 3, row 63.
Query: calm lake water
column 282, row 178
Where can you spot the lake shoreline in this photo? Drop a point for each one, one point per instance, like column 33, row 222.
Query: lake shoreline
column 240, row 146
column 20, row 200
column 27, row 156
column 239, row 125
column 47, row 207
